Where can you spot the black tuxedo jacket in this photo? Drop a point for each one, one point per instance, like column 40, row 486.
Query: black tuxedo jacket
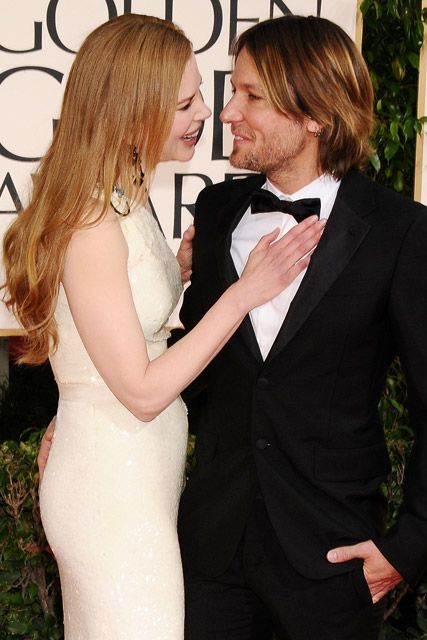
column 303, row 426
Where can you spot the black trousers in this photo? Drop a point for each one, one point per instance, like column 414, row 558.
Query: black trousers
column 262, row 597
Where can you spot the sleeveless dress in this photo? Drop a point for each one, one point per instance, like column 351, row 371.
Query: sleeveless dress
column 111, row 488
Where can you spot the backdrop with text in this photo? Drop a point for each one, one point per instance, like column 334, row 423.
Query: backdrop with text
column 38, row 41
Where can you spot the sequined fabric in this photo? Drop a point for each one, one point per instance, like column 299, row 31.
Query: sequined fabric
column 110, row 491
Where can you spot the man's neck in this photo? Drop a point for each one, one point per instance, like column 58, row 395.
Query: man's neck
column 296, row 173
column 289, row 183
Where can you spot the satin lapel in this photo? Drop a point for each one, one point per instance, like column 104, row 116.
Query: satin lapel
column 226, row 266
column 344, row 232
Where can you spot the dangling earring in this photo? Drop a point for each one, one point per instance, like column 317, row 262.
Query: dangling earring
column 137, row 166
column 119, row 202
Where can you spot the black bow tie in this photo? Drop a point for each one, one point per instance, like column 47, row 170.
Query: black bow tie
column 263, row 200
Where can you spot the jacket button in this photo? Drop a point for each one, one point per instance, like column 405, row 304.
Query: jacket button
column 262, row 383
column 262, row 444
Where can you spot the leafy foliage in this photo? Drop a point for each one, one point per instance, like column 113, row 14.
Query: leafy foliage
column 406, row 613
column 29, row 584
column 392, row 36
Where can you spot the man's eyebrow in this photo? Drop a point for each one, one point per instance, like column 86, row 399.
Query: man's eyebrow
column 249, row 86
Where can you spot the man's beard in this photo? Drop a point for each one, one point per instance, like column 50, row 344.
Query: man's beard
column 248, row 161
column 270, row 158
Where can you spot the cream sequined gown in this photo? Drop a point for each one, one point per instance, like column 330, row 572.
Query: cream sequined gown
column 111, row 488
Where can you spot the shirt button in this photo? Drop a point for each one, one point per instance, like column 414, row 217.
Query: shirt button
column 262, row 444
column 262, row 383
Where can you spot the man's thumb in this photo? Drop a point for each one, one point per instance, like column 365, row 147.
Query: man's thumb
column 341, row 554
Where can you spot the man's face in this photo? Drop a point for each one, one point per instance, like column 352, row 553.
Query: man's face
column 265, row 140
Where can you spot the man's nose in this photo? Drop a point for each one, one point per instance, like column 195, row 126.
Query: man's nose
column 231, row 111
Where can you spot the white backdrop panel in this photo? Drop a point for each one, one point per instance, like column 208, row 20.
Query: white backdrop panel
column 38, row 39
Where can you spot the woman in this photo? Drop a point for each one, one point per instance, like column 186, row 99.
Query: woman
column 91, row 278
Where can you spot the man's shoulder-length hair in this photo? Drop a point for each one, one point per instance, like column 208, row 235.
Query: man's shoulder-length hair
column 309, row 67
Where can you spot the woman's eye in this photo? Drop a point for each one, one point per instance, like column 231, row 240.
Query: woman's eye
column 184, row 107
column 252, row 96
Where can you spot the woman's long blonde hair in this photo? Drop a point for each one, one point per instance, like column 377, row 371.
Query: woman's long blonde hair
column 120, row 100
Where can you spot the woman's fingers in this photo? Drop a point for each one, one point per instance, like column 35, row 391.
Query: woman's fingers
column 302, row 231
column 45, row 446
column 301, row 227
column 185, row 253
column 189, row 233
column 299, row 240
column 302, row 263
column 265, row 241
column 273, row 264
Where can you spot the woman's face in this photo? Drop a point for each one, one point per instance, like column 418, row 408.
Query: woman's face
column 190, row 114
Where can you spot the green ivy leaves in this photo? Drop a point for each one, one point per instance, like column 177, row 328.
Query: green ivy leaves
column 29, row 585
column 393, row 35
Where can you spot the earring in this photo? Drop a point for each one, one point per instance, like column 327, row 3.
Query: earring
column 119, row 202
column 317, row 133
column 136, row 163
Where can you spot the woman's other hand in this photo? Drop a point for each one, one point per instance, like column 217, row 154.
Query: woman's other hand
column 45, row 446
column 185, row 253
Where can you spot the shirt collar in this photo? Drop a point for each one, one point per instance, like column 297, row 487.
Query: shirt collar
column 322, row 187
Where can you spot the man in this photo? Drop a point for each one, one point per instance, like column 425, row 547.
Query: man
column 282, row 521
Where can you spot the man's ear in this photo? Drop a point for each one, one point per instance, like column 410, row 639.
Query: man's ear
column 313, row 126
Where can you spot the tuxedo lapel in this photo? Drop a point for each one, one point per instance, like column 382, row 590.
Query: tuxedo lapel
column 344, row 232
column 225, row 262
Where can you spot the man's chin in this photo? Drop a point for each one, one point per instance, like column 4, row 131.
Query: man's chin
column 239, row 161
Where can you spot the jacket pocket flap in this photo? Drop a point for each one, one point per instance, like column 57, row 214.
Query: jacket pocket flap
column 340, row 465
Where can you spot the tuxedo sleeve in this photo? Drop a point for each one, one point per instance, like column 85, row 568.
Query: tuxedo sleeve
column 405, row 545
column 192, row 311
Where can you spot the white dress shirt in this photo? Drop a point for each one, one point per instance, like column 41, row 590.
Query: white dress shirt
column 268, row 318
